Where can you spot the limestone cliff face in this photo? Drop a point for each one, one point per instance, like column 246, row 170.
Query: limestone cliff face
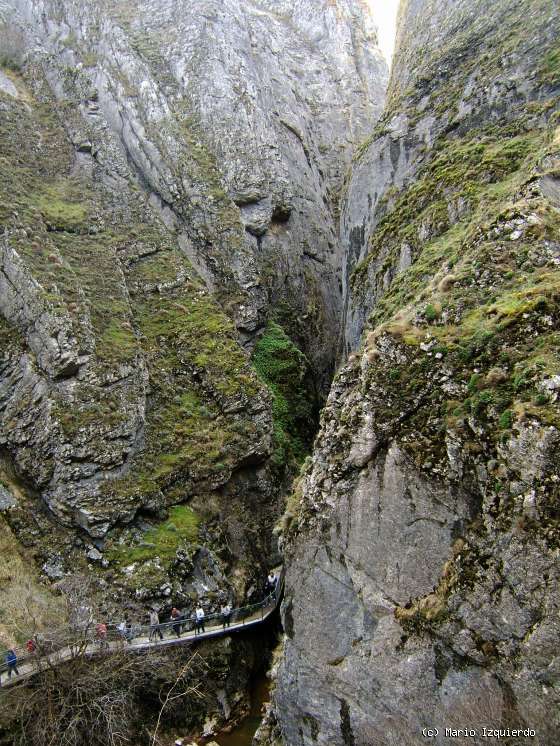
column 240, row 120
column 457, row 74
column 422, row 541
column 170, row 172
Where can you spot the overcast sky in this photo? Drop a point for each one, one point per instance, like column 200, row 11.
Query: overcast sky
column 385, row 15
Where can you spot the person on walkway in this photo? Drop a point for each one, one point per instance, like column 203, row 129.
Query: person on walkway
column 177, row 618
column 129, row 630
column 11, row 662
column 101, row 634
column 125, row 629
column 270, row 585
column 154, row 626
column 200, row 619
column 31, row 646
column 226, row 615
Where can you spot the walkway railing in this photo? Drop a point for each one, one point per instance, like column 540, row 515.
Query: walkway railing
column 69, row 642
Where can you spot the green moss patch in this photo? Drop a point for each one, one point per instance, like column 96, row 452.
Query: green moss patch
column 473, row 174
column 285, row 370
column 198, row 373
column 163, row 540
column 61, row 206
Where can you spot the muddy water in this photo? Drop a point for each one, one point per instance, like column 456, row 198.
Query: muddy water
column 243, row 735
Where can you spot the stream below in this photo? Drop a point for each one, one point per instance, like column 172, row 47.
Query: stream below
column 243, row 734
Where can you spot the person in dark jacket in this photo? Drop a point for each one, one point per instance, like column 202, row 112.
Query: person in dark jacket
column 177, row 617
column 11, row 662
column 226, row 615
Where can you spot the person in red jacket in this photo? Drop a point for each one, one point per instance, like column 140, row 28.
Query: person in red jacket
column 31, row 646
column 101, row 634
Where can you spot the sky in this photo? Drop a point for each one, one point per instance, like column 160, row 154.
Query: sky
column 385, row 16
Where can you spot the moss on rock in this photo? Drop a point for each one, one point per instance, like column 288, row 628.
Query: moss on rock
column 285, row 370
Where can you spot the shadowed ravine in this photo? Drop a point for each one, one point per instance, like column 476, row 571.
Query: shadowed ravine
column 263, row 304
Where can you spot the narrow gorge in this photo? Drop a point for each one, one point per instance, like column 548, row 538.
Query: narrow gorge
column 264, row 304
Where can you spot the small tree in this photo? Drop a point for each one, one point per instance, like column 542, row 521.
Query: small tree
column 107, row 700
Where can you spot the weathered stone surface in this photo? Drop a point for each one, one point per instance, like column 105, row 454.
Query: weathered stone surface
column 293, row 88
column 436, row 92
column 170, row 180
column 6, row 85
column 7, row 500
column 422, row 539
column 169, row 185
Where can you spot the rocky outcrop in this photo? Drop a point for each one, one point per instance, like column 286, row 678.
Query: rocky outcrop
column 169, row 186
column 239, row 120
column 447, row 86
column 422, row 539
column 169, row 298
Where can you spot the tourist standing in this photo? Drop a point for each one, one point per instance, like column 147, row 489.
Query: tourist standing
column 200, row 619
column 31, row 646
column 11, row 662
column 125, row 629
column 101, row 634
column 226, row 615
column 270, row 585
column 154, row 626
column 177, row 618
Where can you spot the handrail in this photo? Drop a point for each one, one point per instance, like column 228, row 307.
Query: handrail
column 135, row 634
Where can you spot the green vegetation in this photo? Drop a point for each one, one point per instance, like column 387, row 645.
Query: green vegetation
column 197, row 370
column 163, row 540
column 471, row 173
column 61, row 206
column 479, row 45
column 125, row 291
column 479, row 306
column 431, row 313
column 488, row 173
column 12, row 47
column 285, row 370
column 9, row 336
column 506, row 419
column 551, row 66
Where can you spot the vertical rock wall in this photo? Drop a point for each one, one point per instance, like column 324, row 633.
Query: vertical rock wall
column 240, row 120
column 422, row 540
column 168, row 166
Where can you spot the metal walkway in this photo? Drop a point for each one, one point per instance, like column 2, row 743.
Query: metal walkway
column 86, row 642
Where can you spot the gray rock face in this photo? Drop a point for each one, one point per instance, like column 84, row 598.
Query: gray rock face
column 398, row 615
column 387, row 163
column 436, row 92
column 241, row 120
column 7, row 500
column 423, row 556
column 188, row 142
